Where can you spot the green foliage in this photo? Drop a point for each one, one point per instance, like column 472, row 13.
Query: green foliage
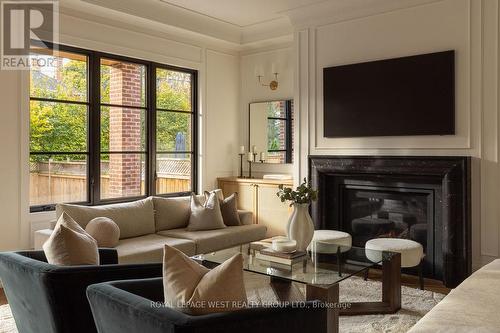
column 59, row 126
column 274, row 126
column 63, row 126
column 173, row 93
column 273, row 134
column 303, row 194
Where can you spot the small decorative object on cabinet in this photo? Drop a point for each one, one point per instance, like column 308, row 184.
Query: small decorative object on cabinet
column 300, row 227
column 259, row 197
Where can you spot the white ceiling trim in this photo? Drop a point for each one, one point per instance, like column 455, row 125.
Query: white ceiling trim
column 170, row 4
column 157, row 11
column 182, row 23
column 145, row 26
column 343, row 10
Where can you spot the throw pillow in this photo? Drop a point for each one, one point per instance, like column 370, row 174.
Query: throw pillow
column 194, row 289
column 104, row 230
column 205, row 216
column 228, row 207
column 70, row 245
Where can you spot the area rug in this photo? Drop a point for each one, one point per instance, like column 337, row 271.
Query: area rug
column 7, row 324
column 415, row 304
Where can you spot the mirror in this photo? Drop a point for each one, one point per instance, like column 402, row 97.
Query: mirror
column 271, row 131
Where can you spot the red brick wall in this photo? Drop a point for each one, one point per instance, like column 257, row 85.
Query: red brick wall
column 282, row 130
column 125, row 130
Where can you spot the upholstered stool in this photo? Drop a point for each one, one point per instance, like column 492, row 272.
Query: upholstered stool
column 411, row 252
column 330, row 242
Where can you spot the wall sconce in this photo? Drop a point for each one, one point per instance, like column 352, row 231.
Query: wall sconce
column 273, row 85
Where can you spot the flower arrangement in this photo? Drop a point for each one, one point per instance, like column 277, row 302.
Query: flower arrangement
column 303, row 194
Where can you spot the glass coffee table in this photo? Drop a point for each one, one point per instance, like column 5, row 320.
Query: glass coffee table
column 321, row 270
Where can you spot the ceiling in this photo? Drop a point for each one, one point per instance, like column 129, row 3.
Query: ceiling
column 242, row 13
column 237, row 24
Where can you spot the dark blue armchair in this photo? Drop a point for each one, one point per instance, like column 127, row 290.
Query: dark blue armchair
column 130, row 307
column 51, row 299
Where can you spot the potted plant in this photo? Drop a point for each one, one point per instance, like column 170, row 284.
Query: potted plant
column 300, row 227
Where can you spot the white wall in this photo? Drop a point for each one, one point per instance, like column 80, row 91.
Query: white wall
column 252, row 91
column 219, row 79
column 470, row 28
column 222, row 120
column 10, row 165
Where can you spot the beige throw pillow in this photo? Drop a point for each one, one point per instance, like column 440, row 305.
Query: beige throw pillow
column 104, row 230
column 228, row 207
column 205, row 216
column 70, row 245
column 194, row 289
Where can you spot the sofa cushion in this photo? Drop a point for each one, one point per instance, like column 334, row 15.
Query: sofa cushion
column 228, row 207
column 149, row 248
column 196, row 290
column 70, row 245
column 214, row 240
column 104, row 230
column 207, row 215
column 133, row 218
column 172, row 213
column 229, row 210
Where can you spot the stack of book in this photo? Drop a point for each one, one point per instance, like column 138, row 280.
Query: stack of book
column 269, row 254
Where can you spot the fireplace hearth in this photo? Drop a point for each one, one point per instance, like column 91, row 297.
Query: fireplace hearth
column 426, row 199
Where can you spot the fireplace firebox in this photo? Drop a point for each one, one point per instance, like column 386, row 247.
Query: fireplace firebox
column 425, row 199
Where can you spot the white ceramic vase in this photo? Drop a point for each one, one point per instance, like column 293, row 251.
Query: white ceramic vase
column 300, row 227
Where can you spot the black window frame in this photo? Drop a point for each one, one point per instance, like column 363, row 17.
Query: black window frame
column 94, row 127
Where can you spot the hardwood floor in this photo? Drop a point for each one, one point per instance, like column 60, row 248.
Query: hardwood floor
column 3, row 299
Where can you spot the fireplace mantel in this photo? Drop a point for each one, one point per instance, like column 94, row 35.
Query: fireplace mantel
column 451, row 174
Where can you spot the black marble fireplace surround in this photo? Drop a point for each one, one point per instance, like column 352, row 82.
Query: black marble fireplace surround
column 422, row 198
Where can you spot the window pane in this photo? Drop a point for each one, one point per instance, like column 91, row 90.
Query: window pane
column 173, row 90
column 123, row 129
column 58, row 178
column 64, row 77
column 123, row 83
column 278, row 157
column 173, row 131
column 276, row 109
column 276, row 134
column 58, row 127
column 122, row 175
column 173, row 173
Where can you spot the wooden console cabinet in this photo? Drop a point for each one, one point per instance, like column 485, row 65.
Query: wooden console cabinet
column 259, row 197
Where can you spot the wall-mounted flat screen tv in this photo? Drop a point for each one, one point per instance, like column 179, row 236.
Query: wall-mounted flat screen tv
column 395, row 97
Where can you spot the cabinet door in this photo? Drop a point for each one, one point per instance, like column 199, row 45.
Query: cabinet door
column 271, row 212
column 246, row 195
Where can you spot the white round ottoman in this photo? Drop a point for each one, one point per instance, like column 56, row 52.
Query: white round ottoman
column 330, row 241
column 411, row 252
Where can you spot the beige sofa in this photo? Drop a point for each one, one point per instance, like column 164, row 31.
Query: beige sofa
column 146, row 225
column 471, row 307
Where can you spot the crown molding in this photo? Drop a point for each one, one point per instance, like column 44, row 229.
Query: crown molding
column 180, row 24
column 183, row 23
column 164, row 13
column 84, row 11
column 342, row 10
